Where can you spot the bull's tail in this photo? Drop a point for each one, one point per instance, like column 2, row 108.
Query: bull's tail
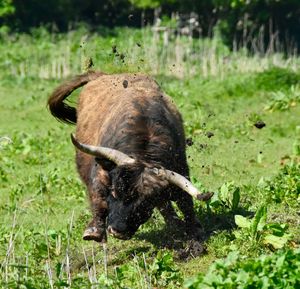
column 56, row 104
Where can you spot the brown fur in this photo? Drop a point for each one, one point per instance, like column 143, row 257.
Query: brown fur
column 137, row 119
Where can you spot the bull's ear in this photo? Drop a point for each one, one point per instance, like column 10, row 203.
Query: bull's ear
column 149, row 180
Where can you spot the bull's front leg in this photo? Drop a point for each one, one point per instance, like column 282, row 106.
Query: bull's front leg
column 96, row 229
column 193, row 225
column 171, row 218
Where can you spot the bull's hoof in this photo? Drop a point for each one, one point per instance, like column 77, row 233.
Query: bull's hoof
column 193, row 249
column 94, row 234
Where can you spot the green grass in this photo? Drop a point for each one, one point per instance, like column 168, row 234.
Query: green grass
column 43, row 208
column 278, row 271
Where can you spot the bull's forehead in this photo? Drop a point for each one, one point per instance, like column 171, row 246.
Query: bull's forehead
column 123, row 194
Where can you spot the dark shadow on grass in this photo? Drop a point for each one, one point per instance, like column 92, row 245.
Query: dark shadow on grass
column 215, row 222
column 186, row 246
column 119, row 259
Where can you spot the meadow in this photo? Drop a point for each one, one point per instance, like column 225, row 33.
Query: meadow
column 241, row 115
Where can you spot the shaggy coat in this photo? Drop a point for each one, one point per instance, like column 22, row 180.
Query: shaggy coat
column 128, row 113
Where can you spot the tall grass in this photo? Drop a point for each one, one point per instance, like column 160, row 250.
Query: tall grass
column 155, row 50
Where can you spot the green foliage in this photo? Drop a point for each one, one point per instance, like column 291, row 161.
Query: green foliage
column 164, row 271
column 147, row 3
column 248, row 24
column 6, row 8
column 285, row 187
column 255, row 24
column 61, row 14
column 161, row 272
column 296, row 143
column 282, row 100
column 259, row 231
column 277, row 78
column 280, row 270
column 227, row 199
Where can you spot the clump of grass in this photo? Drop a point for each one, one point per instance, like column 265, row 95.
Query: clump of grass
column 140, row 273
column 284, row 100
column 280, row 270
column 258, row 233
column 285, row 187
column 277, row 78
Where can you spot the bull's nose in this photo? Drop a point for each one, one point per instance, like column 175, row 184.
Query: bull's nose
column 112, row 231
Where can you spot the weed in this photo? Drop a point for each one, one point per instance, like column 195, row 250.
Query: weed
column 257, row 231
column 285, row 187
column 280, row 270
column 227, row 199
column 284, row 100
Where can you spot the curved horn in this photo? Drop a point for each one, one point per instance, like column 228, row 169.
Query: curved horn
column 113, row 155
column 183, row 183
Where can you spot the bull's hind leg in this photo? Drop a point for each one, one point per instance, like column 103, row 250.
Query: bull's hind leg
column 193, row 225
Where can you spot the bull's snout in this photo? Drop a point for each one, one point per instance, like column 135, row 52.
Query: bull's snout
column 112, row 231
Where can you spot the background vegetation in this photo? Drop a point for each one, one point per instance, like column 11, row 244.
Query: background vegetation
column 241, row 112
column 240, row 21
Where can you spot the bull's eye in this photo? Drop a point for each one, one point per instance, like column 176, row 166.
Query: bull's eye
column 128, row 199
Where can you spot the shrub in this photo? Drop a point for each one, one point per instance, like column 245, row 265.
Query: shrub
column 280, row 270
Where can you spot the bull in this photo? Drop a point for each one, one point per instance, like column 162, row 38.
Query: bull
column 130, row 153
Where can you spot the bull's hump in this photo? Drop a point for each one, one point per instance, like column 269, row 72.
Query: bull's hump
column 108, row 92
column 124, row 81
column 125, row 109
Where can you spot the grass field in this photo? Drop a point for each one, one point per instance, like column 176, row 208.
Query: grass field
column 241, row 116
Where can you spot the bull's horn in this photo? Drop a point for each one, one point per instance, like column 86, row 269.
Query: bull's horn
column 113, row 155
column 183, row 183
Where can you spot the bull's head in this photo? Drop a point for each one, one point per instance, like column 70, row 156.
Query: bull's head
column 134, row 189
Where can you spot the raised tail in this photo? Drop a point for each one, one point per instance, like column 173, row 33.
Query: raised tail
column 61, row 110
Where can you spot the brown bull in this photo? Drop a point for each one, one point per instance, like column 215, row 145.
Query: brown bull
column 130, row 152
